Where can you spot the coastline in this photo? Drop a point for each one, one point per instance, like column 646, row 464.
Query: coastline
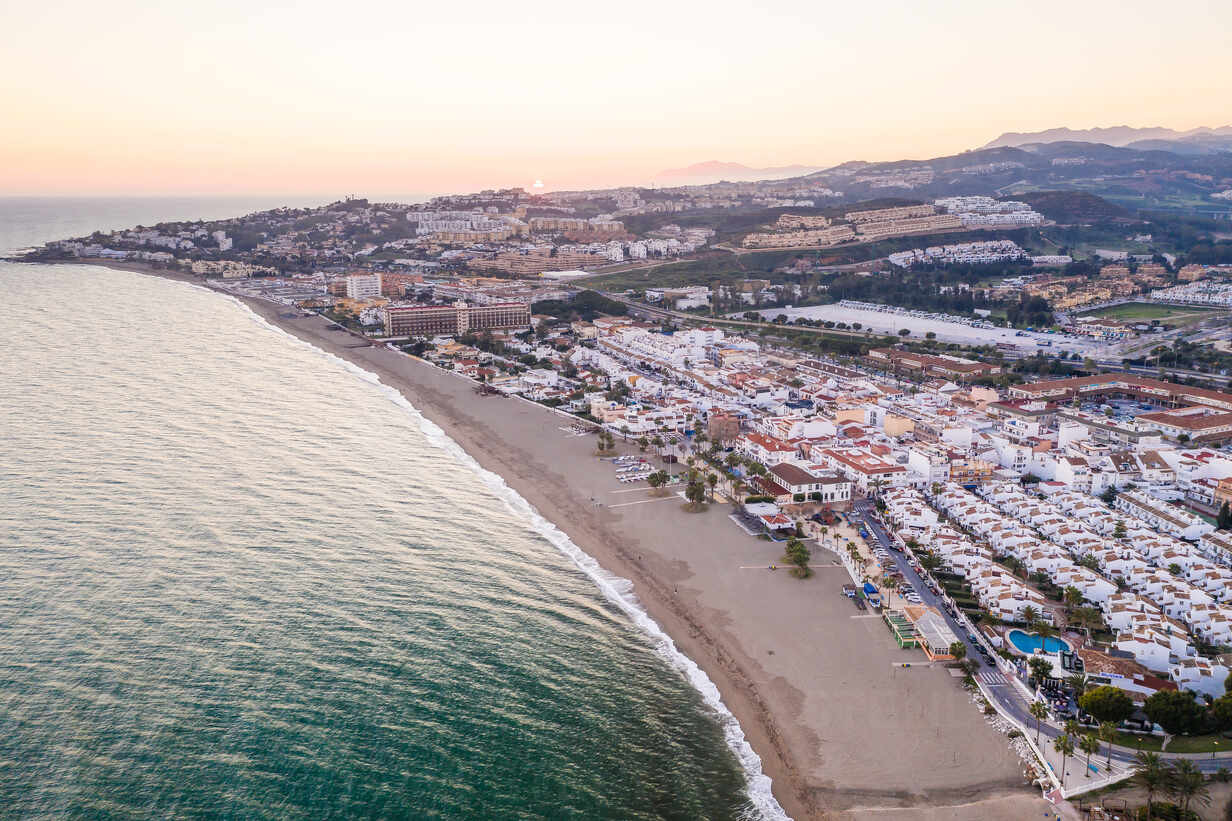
column 784, row 655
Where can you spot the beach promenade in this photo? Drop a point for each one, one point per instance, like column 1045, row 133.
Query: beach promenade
column 843, row 730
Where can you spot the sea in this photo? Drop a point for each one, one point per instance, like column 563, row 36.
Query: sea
column 240, row 578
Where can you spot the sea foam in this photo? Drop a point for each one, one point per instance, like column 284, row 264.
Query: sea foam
column 616, row 589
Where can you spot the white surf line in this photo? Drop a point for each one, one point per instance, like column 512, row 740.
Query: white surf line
column 617, row 590
column 643, row 502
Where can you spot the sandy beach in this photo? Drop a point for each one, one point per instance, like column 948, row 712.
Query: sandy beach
column 841, row 730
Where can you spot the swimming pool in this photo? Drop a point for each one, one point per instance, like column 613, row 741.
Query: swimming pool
column 1028, row 643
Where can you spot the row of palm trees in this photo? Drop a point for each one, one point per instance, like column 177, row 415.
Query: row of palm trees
column 1065, row 743
column 1180, row 780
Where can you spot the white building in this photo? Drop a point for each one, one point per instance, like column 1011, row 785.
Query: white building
column 363, row 286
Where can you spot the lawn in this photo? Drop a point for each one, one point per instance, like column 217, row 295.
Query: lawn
column 1148, row 311
column 1179, row 744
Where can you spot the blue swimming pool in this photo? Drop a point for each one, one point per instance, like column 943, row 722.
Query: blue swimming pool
column 1028, row 643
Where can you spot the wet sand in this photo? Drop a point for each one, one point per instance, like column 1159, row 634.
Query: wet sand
column 841, row 730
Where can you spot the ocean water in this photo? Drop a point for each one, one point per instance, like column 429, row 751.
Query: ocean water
column 239, row 578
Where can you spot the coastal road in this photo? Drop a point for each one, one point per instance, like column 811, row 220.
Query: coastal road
column 1009, row 697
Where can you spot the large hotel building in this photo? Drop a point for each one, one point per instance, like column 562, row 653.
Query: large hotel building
column 459, row 318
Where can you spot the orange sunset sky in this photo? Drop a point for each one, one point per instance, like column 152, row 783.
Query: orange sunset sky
column 396, row 97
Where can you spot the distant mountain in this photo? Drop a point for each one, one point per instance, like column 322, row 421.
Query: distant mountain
column 1118, row 135
column 714, row 171
column 1158, row 176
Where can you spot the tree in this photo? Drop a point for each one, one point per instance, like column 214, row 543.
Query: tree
column 712, row 480
column 890, row 584
column 905, row 332
column 642, row 443
column 657, row 480
column 1041, row 668
column 1089, row 744
column 1221, row 711
column 1063, row 744
column 695, row 492
column 1224, row 520
column 1187, row 784
column 1039, row 712
column 1109, row 495
column 958, row 650
column 799, row 555
column 1174, row 710
column 1107, row 704
column 1029, row 614
column 1118, row 531
column 1151, row 776
column 1107, row 734
column 1078, row 683
column 1073, row 596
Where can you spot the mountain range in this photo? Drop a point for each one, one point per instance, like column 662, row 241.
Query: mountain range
column 1195, row 141
column 716, row 171
column 1133, row 169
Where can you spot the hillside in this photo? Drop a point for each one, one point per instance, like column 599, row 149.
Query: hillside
column 1119, row 135
column 1130, row 178
column 1071, row 206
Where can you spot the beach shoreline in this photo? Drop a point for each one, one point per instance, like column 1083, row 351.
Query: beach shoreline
column 789, row 684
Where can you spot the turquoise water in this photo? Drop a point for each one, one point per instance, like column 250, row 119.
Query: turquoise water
column 239, row 580
column 1028, row 643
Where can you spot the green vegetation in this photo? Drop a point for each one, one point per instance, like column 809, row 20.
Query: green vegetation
column 798, row 554
column 1174, row 710
column 1149, row 310
column 1107, row 704
column 1071, row 206
column 587, row 305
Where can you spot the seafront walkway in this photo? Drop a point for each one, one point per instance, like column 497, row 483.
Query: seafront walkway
column 1009, row 694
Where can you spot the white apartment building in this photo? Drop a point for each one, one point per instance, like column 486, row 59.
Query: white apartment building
column 363, row 286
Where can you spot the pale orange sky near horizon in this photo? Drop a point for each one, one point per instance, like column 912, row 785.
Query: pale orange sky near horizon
column 374, row 97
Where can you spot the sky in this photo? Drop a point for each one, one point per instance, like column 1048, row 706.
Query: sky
column 371, row 97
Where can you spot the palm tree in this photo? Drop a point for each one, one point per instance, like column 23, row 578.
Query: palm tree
column 1029, row 614
column 1064, row 744
column 1186, row 783
column 890, row 584
column 712, row 480
column 1039, row 712
column 1107, row 734
column 1088, row 744
column 1152, row 776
